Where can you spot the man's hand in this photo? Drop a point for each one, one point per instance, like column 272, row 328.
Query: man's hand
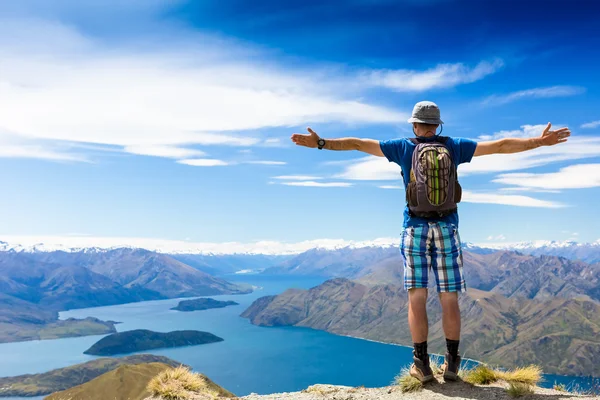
column 550, row 138
column 368, row 146
column 309, row 140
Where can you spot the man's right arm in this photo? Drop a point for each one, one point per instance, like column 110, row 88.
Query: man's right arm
column 369, row 146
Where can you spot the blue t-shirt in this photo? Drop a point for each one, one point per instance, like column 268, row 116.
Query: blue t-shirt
column 401, row 150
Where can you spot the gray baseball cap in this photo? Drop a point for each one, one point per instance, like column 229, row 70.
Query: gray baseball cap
column 426, row 112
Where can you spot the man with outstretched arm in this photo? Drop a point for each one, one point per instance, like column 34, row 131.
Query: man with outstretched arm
column 430, row 238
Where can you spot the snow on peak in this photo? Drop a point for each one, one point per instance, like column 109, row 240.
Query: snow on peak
column 100, row 244
column 536, row 244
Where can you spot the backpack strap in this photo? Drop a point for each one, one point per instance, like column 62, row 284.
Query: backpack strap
column 439, row 139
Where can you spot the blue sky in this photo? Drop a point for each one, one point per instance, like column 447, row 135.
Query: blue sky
column 171, row 119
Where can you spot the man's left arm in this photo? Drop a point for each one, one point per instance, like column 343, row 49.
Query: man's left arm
column 517, row 145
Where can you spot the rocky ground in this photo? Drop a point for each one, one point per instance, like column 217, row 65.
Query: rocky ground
column 432, row 391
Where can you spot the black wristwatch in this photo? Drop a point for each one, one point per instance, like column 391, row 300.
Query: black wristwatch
column 321, row 143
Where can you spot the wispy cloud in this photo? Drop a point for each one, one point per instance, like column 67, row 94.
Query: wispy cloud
column 371, row 169
column 510, row 200
column 267, row 162
column 527, row 189
column 591, row 125
column 12, row 146
column 571, row 177
column 441, row 76
column 298, row 177
column 536, row 93
column 316, row 184
column 390, row 187
column 203, row 162
column 39, row 152
column 499, row 237
column 164, row 151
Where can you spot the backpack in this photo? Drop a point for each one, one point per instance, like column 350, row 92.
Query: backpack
column 433, row 190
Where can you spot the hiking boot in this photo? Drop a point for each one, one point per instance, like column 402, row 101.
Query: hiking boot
column 450, row 368
column 421, row 370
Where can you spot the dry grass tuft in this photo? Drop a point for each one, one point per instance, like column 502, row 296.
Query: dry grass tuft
column 480, row 375
column 518, row 389
column 530, row 375
column 559, row 387
column 179, row 383
column 484, row 375
column 407, row 383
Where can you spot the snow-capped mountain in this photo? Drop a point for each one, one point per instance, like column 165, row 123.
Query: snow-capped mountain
column 100, row 244
column 587, row 252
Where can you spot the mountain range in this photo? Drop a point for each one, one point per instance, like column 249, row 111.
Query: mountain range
column 542, row 309
column 34, row 286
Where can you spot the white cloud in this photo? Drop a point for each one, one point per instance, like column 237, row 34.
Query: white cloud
column 273, row 142
column 499, row 237
column 371, row 168
column 203, row 162
column 74, row 89
column 510, row 200
column 164, row 151
column 591, row 125
column 317, row 184
column 12, row 146
column 571, row 177
column 543, row 92
column 297, row 177
column 39, row 152
column 267, row 162
column 441, row 76
column 390, row 187
column 527, row 189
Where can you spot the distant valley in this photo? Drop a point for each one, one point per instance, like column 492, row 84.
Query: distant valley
column 562, row 335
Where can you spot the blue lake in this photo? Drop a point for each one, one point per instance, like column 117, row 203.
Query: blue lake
column 251, row 359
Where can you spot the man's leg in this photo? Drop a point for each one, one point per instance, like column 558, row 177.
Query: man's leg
column 450, row 315
column 417, row 322
column 417, row 314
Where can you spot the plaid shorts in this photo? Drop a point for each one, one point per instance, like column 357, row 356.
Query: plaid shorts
column 435, row 245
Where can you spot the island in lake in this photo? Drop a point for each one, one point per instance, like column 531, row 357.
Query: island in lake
column 202, row 304
column 142, row 339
